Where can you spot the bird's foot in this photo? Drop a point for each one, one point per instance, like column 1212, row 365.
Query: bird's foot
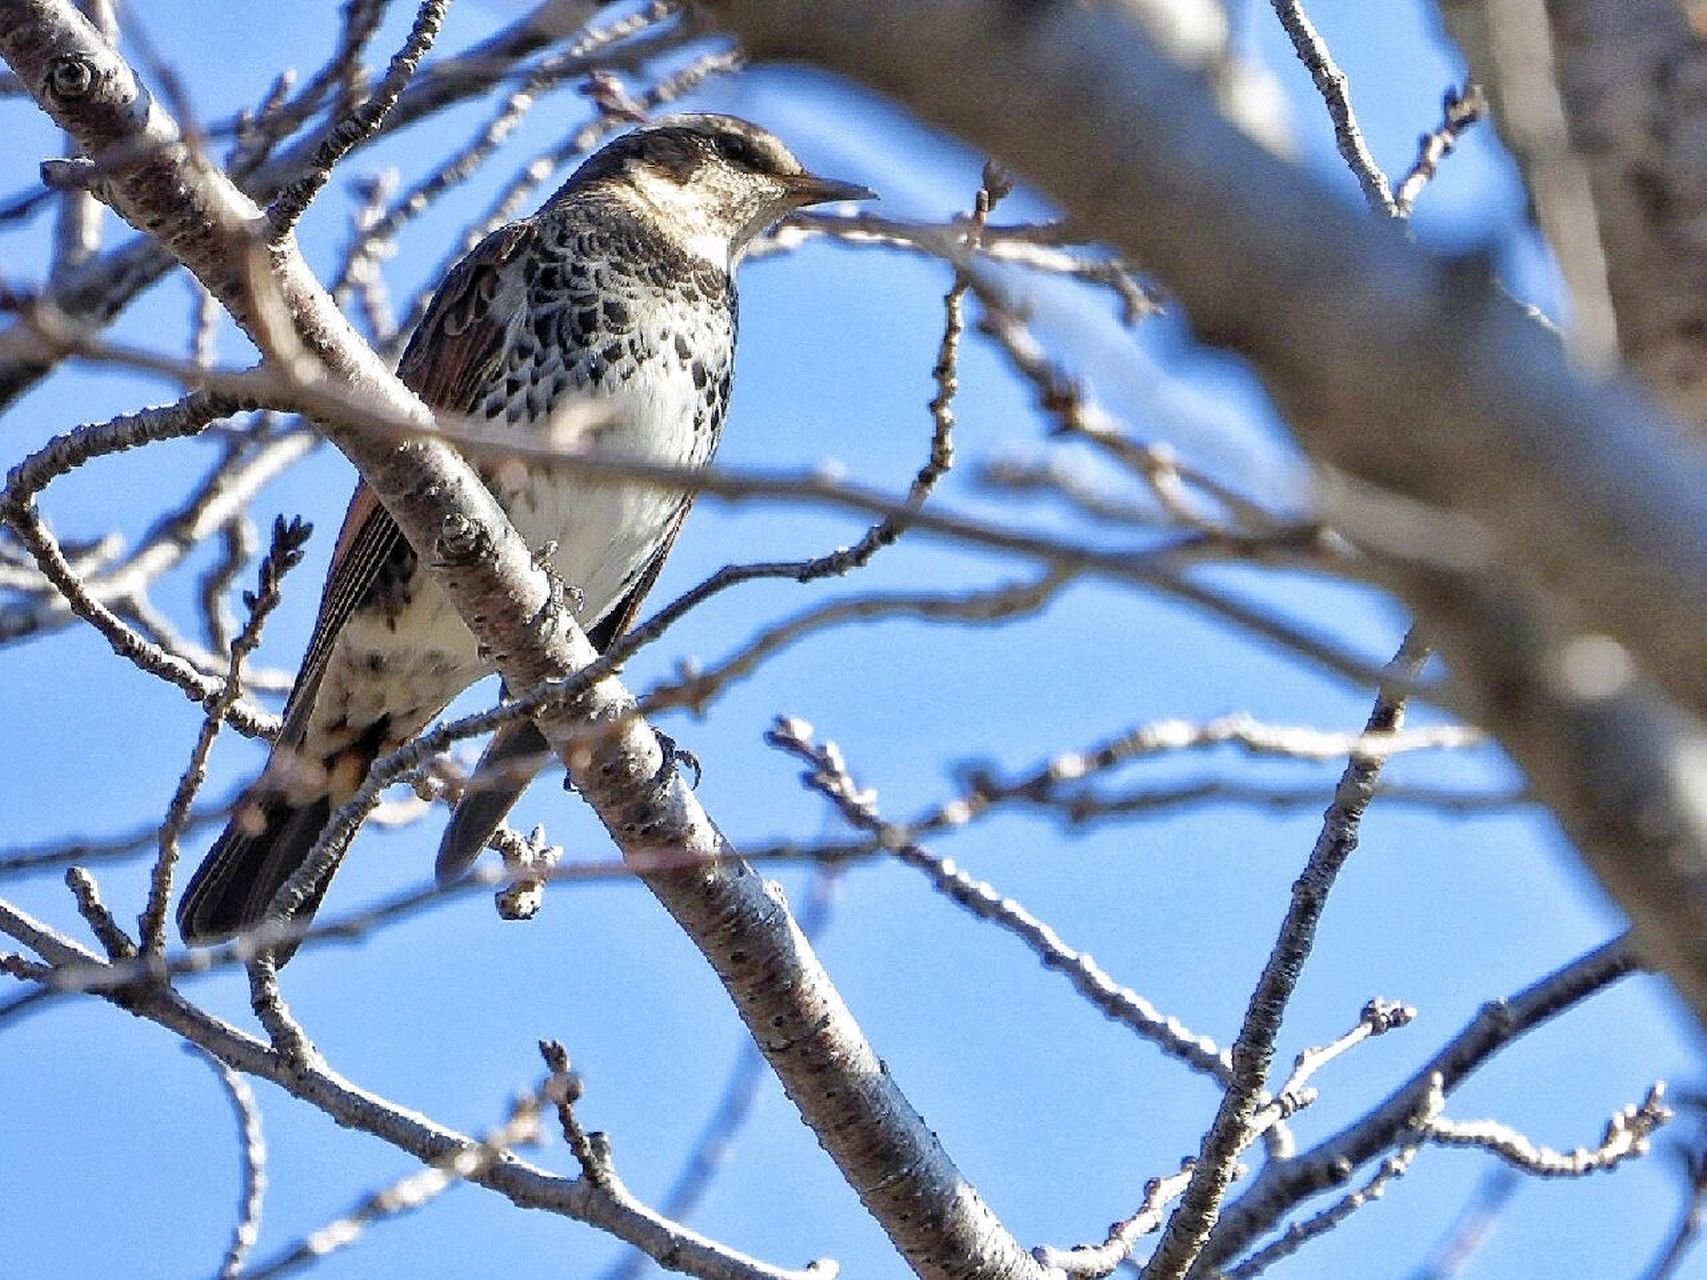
column 562, row 593
column 677, row 755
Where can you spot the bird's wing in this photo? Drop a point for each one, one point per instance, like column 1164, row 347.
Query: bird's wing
column 449, row 360
column 621, row 618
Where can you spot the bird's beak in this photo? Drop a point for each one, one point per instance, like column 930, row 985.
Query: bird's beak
column 806, row 188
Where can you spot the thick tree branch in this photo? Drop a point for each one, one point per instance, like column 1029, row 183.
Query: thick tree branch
column 1633, row 82
column 1394, row 365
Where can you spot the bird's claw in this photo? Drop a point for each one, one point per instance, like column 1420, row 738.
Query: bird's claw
column 561, row 592
column 677, row 755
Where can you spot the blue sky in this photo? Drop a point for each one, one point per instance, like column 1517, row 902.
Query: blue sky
column 118, row 1151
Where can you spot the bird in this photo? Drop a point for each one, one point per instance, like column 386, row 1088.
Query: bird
column 618, row 292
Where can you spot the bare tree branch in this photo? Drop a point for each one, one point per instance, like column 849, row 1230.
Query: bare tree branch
column 1189, row 1228
column 527, row 1185
column 1284, row 1184
column 1393, row 364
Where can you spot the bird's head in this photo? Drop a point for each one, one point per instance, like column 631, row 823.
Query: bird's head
column 714, row 181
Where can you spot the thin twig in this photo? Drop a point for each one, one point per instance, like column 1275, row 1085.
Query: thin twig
column 1299, row 1234
column 118, row 945
column 253, row 1146
column 946, row 373
column 363, row 122
column 828, row 775
column 1330, row 81
column 1092, row 1261
column 1106, row 1256
column 563, row 1090
column 1188, row 1229
column 1284, row 1184
column 1626, row 1138
column 1459, row 111
column 285, row 553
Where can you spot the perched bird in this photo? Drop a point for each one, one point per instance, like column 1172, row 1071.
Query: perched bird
column 620, row 289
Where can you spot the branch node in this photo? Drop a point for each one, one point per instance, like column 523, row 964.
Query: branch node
column 70, row 77
column 461, row 541
column 77, row 173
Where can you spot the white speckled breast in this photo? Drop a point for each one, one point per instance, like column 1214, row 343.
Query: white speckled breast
column 609, row 314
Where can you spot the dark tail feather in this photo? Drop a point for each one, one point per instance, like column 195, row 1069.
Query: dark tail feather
column 504, row 770
column 515, row 754
column 245, row 868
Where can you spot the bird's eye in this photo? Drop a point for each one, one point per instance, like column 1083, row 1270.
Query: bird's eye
column 738, row 151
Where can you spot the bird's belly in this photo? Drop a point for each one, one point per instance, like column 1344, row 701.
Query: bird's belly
column 406, row 663
column 403, row 665
column 607, row 530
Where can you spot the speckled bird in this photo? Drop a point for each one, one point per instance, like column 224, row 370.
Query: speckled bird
column 620, row 290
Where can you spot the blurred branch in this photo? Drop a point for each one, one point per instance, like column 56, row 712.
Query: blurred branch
column 1475, row 1225
column 1395, row 365
column 1686, row 1235
column 253, row 1146
column 1629, row 80
column 521, row 1128
column 712, row 1147
column 1513, row 56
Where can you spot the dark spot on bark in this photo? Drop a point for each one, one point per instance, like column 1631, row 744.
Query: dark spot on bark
column 70, row 77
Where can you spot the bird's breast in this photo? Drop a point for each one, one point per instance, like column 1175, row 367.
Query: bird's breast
column 655, row 371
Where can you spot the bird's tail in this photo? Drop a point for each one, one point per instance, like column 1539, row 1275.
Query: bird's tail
column 267, row 840
column 517, row 752
column 258, row 851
